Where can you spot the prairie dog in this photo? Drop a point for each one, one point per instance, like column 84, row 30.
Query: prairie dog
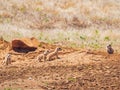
column 42, row 57
column 110, row 49
column 53, row 54
column 7, row 59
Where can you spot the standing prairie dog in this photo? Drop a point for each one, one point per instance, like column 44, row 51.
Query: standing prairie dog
column 53, row 54
column 7, row 59
column 42, row 57
column 110, row 49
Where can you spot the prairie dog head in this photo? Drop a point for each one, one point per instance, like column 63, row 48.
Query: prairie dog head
column 58, row 49
column 109, row 46
column 8, row 55
column 46, row 52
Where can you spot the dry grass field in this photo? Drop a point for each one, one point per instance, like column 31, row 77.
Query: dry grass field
column 92, row 23
column 82, row 28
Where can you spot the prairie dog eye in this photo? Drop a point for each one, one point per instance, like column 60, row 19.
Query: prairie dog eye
column 59, row 49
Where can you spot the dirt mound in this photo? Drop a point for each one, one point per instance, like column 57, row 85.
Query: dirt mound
column 25, row 44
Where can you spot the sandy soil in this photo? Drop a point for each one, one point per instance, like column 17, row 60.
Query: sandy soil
column 75, row 70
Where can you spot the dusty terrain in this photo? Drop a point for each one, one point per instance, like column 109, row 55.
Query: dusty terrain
column 68, row 23
column 75, row 70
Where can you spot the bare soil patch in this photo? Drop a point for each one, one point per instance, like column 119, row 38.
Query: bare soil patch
column 75, row 70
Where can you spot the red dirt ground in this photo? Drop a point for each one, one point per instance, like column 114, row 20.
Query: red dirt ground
column 75, row 70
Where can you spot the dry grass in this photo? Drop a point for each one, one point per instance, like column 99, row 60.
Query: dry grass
column 90, row 38
column 9, row 32
column 92, row 23
column 41, row 14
